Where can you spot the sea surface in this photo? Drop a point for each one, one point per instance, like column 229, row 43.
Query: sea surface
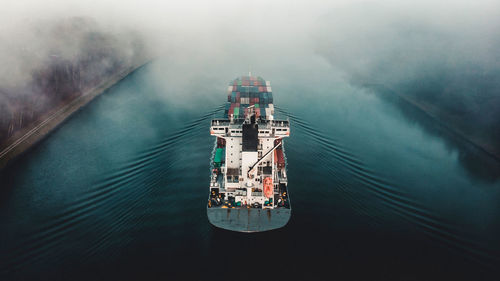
column 379, row 190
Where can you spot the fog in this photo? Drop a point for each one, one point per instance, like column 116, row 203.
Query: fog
column 442, row 54
column 443, row 57
column 357, row 37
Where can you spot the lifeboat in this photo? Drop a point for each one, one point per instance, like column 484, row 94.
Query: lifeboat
column 268, row 187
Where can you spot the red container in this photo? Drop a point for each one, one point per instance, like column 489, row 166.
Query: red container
column 261, row 89
column 245, row 83
column 278, row 158
column 256, row 100
column 238, row 99
column 257, row 112
column 235, row 88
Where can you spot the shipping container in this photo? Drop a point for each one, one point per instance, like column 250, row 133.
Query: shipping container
column 219, row 154
column 279, row 159
column 236, row 111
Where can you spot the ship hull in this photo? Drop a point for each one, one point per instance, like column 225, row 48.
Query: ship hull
column 248, row 219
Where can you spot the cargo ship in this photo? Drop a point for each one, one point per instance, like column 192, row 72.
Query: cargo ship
column 248, row 186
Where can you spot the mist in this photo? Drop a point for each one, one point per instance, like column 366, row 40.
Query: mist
column 441, row 56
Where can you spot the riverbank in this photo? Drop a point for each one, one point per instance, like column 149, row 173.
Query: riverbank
column 451, row 123
column 29, row 136
column 448, row 122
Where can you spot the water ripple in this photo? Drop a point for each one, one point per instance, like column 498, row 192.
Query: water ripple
column 118, row 195
column 337, row 158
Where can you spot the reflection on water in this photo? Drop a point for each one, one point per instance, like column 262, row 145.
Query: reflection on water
column 477, row 163
column 119, row 193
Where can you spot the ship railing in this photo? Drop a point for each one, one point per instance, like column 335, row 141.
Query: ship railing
column 256, row 193
column 280, row 123
column 274, row 123
column 226, row 122
column 240, row 193
column 220, row 122
column 267, row 124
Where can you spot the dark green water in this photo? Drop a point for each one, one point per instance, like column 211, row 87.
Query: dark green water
column 379, row 192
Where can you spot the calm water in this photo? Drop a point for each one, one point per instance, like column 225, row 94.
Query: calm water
column 378, row 191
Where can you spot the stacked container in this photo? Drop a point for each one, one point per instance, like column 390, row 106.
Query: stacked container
column 249, row 91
